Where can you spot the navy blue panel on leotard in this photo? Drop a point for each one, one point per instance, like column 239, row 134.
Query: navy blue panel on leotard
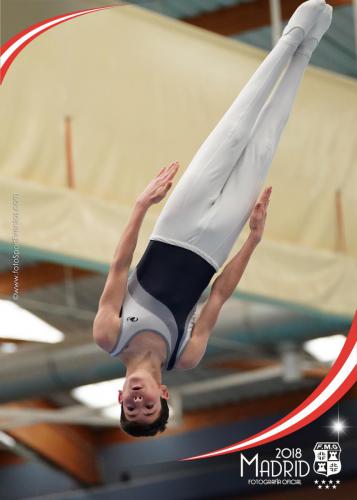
column 176, row 277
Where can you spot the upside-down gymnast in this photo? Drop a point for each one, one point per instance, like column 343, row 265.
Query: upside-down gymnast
column 147, row 318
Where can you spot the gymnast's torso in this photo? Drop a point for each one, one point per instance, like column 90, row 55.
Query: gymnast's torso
column 161, row 297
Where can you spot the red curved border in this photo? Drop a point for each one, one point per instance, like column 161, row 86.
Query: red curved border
column 346, row 351
column 4, row 67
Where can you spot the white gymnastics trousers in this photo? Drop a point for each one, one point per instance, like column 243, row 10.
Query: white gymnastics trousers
column 215, row 196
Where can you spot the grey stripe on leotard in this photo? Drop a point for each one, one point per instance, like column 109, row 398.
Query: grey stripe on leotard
column 152, row 316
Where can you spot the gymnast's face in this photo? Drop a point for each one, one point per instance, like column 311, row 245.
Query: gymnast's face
column 141, row 399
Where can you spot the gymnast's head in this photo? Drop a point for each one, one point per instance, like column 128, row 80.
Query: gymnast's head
column 144, row 408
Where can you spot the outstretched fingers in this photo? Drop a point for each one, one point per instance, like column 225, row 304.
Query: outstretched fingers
column 262, row 205
column 265, row 198
column 169, row 171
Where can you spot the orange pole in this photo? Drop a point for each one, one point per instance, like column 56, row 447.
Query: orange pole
column 69, row 153
column 341, row 237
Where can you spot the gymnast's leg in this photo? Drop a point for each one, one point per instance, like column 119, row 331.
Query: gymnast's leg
column 184, row 216
column 242, row 189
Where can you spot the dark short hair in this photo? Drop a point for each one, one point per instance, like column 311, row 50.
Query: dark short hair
column 137, row 429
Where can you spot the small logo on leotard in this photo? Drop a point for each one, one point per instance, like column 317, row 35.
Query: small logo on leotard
column 132, row 318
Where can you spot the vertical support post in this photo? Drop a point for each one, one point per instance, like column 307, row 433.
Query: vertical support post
column 69, row 153
column 341, row 237
column 70, row 290
column 292, row 362
column 276, row 20
column 354, row 6
column 176, row 404
column 68, row 271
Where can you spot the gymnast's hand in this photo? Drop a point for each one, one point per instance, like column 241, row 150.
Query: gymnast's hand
column 257, row 219
column 157, row 189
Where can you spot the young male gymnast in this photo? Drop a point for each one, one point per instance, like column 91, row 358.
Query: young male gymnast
column 147, row 318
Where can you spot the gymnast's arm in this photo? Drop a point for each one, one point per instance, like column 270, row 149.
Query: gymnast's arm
column 107, row 321
column 223, row 287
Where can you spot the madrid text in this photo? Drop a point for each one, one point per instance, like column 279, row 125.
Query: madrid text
column 286, row 468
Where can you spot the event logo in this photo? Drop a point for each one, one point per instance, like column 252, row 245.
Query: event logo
column 288, row 466
column 327, row 458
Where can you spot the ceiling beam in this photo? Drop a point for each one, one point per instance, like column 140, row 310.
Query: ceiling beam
column 39, row 275
column 12, row 416
column 69, row 447
column 309, row 370
column 242, row 364
column 10, row 458
column 232, row 380
column 247, row 16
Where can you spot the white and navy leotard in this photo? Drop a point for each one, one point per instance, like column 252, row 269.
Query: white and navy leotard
column 162, row 295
